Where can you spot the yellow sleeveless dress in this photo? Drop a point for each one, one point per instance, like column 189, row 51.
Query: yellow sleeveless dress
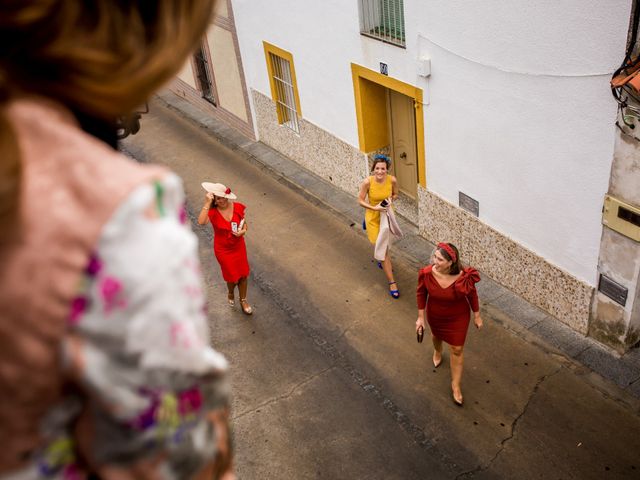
column 377, row 193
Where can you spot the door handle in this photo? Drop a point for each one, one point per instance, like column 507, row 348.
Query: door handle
column 403, row 155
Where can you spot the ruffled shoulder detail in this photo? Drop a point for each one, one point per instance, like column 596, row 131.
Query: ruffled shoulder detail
column 426, row 269
column 423, row 272
column 240, row 208
column 467, row 280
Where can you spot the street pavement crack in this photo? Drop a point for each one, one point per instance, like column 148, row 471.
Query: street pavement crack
column 514, row 424
column 343, row 333
column 283, row 396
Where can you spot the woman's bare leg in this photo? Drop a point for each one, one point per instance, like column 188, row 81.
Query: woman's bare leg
column 437, row 350
column 243, row 286
column 230, row 292
column 457, row 361
column 387, row 268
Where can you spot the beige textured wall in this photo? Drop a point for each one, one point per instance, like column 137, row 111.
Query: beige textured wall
column 186, row 75
column 226, row 73
column 220, row 8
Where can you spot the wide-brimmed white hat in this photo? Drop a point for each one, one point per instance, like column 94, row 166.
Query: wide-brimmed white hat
column 219, row 190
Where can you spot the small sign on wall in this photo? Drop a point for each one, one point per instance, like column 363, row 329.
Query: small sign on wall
column 613, row 290
column 469, row 204
column 384, row 69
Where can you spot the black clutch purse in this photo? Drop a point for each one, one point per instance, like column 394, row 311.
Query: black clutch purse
column 420, row 333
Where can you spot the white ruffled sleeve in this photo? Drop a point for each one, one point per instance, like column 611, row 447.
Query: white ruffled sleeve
column 139, row 339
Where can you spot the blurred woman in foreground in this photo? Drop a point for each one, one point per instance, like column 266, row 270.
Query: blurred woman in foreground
column 105, row 366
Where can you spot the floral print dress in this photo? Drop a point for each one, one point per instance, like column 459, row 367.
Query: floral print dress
column 144, row 382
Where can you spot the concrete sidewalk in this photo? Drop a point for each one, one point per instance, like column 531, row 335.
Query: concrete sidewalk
column 511, row 311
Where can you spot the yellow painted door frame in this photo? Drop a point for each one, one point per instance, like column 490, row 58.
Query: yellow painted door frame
column 371, row 112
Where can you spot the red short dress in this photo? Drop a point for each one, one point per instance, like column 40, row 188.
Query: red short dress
column 448, row 308
column 230, row 251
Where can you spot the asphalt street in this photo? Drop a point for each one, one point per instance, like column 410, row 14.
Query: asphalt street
column 328, row 379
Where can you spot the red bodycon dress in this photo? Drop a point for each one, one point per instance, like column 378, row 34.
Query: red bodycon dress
column 448, row 308
column 230, row 250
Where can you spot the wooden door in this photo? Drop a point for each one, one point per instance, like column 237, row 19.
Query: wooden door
column 402, row 127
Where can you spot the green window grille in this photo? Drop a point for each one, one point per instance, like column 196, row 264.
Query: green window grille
column 383, row 19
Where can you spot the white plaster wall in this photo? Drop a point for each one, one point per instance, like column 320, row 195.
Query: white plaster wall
column 566, row 37
column 324, row 39
column 519, row 113
column 521, row 118
column 534, row 151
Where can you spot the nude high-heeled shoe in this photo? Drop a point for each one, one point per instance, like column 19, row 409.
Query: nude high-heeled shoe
column 246, row 308
column 457, row 399
column 436, row 363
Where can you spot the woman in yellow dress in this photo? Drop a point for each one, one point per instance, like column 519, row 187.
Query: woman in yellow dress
column 379, row 187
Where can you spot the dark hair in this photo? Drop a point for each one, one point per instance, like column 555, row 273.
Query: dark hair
column 380, row 159
column 456, row 267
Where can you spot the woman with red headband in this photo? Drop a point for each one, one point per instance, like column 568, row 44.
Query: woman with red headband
column 229, row 228
column 446, row 290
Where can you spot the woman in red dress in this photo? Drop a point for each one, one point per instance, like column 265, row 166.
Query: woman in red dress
column 229, row 228
column 447, row 290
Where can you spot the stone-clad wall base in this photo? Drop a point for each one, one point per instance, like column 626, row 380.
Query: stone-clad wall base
column 407, row 207
column 512, row 265
column 314, row 148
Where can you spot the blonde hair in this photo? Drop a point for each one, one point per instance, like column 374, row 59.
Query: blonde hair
column 102, row 58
